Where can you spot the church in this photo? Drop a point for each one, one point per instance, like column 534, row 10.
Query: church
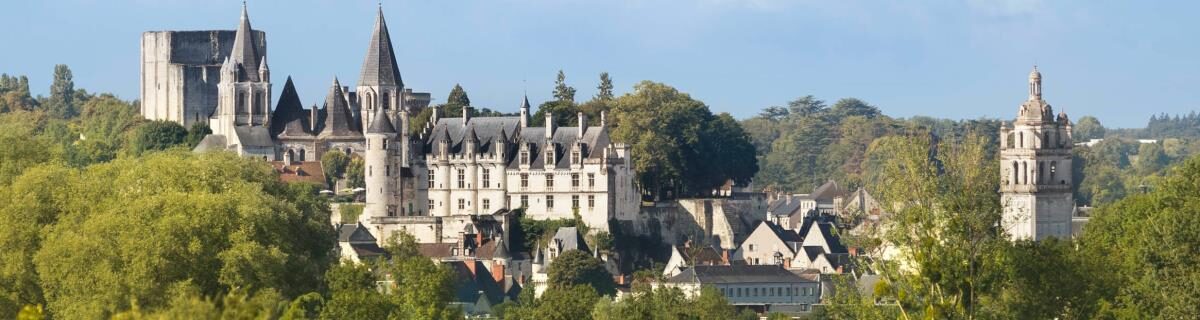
column 1035, row 170
column 434, row 182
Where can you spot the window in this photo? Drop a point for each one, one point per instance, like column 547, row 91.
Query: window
column 739, row 292
column 388, row 170
column 524, row 157
column 549, row 202
column 751, row 248
column 524, row 201
column 241, row 104
column 722, row 291
column 462, row 178
column 550, row 156
column 431, row 179
column 549, row 181
column 370, row 171
column 575, row 201
column 574, row 180
column 301, row 155
column 391, row 211
column 591, row 201
column 487, row 178
column 591, row 180
column 524, row 181
column 431, row 205
column 575, row 158
column 385, row 144
column 462, row 204
column 487, row 204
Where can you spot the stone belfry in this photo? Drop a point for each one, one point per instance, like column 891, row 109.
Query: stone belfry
column 244, row 91
column 1035, row 168
column 379, row 83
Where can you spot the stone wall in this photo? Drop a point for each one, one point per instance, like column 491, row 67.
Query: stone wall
column 180, row 71
column 722, row 222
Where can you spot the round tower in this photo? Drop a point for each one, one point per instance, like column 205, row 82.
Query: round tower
column 380, row 137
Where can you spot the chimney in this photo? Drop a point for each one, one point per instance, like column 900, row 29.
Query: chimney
column 787, row 263
column 725, row 256
column 466, row 116
column 549, row 125
column 478, row 239
column 603, row 118
column 498, row 272
column 582, row 123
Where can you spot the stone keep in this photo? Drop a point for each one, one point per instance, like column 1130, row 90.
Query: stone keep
column 180, row 71
column 1035, row 168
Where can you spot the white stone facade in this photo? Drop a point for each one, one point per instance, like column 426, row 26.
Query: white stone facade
column 1035, row 167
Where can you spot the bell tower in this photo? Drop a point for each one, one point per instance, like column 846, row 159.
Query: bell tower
column 1036, row 189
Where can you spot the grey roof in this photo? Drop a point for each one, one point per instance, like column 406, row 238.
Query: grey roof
column 379, row 68
column 289, row 113
column 501, row 250
column 339, row 120
column 783, row 234
column 381, row 123
column 812, row 252
column 254, row 136
column 244, row 52
column 736, row 274
column 784, row 206
column 568, row 238
column 212, row 142
column 835, row 244
column 354, row 233
column 829, row 190
column 487, row 130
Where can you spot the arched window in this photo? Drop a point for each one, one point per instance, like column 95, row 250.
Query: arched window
column 1020, row 139
column 302, row 155
column 291, row 155
column 1041, row 172
column 1015, row 170
column 1024, row 172
column 240, row 106
column 1045, row 140
column 386, row 102
column 260, row 103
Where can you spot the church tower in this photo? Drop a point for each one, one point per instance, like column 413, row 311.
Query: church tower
column 379, row 83
column 244, row 91
column 1035, row 167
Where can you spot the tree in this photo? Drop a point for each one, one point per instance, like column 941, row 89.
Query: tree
column 197, row 133
column 1087, row 128
column 807, row 106
column 457, row 98
column 62, row 93
column 604, row 91
column 1151, row 158
column 355, row 173
column 14, row 94
column 156, row 135
column 334, row 163
column 574, row 302
column 563, row 92
column 135, row 228
column 1128, row 237
column 848, row 107
column 575, row 267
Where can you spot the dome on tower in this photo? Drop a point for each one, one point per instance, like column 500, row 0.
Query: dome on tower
column 1035, row 75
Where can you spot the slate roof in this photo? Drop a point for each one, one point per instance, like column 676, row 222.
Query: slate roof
column 339, row 120
column 568, row 238
column 289, row 114
column 368, row 251
column 829, row 190
column 736, row 274
column 354, row 232
column 784, row 206
column 379, row 68
column 212, row 142
column 254, row 136
column 783, row 234
column 380, row 123
column 244, row 52
column 835, row 244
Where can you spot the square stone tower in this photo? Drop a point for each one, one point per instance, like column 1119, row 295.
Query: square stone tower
column 1035, row 168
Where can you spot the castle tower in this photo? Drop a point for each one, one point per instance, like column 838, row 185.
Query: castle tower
column 381, row 169
column 1035, row 167
column 244, row 92
column 379, row 83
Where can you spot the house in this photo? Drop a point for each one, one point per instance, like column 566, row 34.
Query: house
column 686, row 256
column 762, row 288
column 356, row 244
column 822, row 249
column 769, row 244
column 789, row 210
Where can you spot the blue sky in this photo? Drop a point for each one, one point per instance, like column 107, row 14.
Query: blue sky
column 1118, row 60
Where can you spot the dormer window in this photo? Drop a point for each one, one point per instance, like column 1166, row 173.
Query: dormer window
column 576, row 158
column 524, row 156
column 550, row 156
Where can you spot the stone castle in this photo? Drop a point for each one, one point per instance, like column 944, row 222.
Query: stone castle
column 452, row 175
column 1036, row 189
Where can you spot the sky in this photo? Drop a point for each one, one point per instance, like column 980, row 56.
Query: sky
column 1120, row 61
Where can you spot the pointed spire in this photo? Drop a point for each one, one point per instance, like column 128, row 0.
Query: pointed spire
column 380, row 68
column 525, row 112
column 244, row 51
column 381, row 123
column 337, row 114
column 288, row 110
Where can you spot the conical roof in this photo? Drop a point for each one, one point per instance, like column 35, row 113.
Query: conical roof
column 288, row 109
column 244, row 53
column 380, row 123
column 501, row 250
column 380, row 68
column 339, row 121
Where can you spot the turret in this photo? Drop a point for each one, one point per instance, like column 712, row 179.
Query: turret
column 525, row 113
column 380, row 138
column 264, row 72
column 470, row 142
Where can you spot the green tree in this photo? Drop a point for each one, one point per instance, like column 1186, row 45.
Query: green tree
column 848, row 107
column 457, row 98
column 807, row 106
column 563, row 92
column 1087, row 128
column 575, row 267
column 356, row 173
column 604, row 91
column 334, row 163
column 14, row 94
column 156, row 135
column 566, row 303
column 1151, row 158
column 61, row 103
column 197, row 133
column 136, row 227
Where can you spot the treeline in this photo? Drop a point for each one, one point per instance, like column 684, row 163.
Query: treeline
column 1129, row 161
column 949, row 260
column 808, row 142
